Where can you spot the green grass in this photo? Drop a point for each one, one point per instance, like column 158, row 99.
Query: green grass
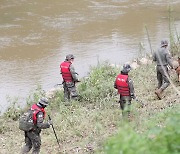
column 162, row 136
column 85, row 126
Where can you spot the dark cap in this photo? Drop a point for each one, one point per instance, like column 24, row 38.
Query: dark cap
column 69, row 57
column 164, row 43
column 126, row 68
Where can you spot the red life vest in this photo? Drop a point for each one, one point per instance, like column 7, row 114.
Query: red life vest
column 36, row 109
column 122, row 85
column 65, row 71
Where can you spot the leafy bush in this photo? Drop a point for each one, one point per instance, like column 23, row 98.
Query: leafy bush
column 13, row 111
column 164, row 141
column 126, row 142
column 99, row 85
column 168, row 139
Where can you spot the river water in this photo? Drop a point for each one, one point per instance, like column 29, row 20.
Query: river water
column 35, row 37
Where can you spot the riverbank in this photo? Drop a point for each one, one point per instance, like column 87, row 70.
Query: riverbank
column 34, row 41
column 84, row 126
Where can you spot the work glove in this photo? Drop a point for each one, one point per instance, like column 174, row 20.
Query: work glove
column 133, row 96
column 50, row 122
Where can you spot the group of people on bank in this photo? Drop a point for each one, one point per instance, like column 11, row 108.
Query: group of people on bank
column 122, row 83
column 32, row 136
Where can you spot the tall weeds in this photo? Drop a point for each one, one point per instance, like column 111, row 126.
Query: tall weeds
column 173, row 34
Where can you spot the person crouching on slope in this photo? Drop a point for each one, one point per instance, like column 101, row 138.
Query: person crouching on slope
column 125, row 89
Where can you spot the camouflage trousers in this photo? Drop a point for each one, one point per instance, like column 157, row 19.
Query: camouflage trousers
column 32, row 140
column 162, row 77
column 125, row 103
column 70, row 91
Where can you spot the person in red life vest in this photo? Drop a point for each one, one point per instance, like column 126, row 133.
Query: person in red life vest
column 126, row 89
column 69, row 78
column 32, row 137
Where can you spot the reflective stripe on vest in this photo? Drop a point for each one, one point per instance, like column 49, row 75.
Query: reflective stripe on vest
column 36, row 109
column 65, row 71
column 122, row 86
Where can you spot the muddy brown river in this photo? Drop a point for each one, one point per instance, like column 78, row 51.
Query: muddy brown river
column 35, row 37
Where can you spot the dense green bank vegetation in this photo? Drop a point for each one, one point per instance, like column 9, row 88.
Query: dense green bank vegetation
column 161, row 137
column 85, row 126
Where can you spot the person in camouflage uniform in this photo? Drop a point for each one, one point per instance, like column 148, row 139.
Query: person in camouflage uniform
column 69, row 78
column 125, row 89
column 163, row 59
column 32, row 137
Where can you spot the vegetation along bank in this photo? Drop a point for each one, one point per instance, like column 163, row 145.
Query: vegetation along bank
column 94, row 123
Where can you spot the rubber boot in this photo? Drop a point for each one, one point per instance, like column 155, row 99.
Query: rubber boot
column 158, row 93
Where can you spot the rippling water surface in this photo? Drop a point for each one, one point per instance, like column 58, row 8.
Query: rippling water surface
column 35, row 36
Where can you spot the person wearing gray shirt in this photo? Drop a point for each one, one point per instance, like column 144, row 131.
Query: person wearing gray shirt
column 162, row 58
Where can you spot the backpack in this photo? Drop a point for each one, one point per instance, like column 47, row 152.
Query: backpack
column 26, row 121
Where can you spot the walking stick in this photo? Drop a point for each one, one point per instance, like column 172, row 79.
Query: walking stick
column 59, row 84
column 54, row 133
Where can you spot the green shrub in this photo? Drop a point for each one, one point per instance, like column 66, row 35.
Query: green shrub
column 13, row 111
column 127, row 142
column 99, row 84
column 168, row 139
column 165, row 140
